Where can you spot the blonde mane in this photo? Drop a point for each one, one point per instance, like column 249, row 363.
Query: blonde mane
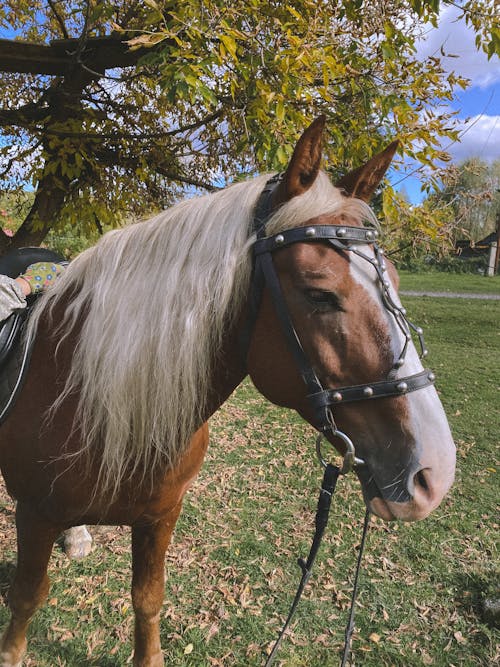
column 155, row 299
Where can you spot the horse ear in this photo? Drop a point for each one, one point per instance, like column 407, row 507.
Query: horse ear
column 304, row 165
column 363, row 181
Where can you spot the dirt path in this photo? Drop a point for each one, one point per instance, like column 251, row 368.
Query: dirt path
column 451, row 295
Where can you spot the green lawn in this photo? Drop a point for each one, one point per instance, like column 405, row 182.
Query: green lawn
column 232, row 568
column 439, row 281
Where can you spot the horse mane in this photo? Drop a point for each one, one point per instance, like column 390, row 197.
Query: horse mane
column 154, row 300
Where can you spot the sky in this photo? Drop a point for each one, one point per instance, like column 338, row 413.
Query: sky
column 478, row 106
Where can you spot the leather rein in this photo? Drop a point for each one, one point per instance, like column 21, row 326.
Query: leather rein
column 345, row 239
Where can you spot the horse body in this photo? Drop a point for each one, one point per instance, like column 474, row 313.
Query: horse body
column 128, row 464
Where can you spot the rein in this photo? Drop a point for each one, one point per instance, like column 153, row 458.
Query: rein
column 343, row 238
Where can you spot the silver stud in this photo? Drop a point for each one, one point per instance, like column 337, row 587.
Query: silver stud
column 402, row 387
column 425, row 352
column 341, row 232
column 310, row 231
column 375, row 233
column 387, row 284
column 431, row 377
column 399, row 362
column 402, row 311
column 370, row 236
column 337, row 397
column 279, row 239
column 419, row 330
column 381, row 251
column 368, row 391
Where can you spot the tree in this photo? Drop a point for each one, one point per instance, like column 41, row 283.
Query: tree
column 471, row 191
column 119, row 105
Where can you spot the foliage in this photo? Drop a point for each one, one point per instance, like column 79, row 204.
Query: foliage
column 465, row 204
column 232, row 570
column 69, row 240
column 471, row 192
column 224, row 88
column 13, row 209
column 427, row 229
column 447, row 264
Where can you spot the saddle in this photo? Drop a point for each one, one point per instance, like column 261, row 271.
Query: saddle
column 14, row 352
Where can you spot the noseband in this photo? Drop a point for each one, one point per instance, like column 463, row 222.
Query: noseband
column 343, row 238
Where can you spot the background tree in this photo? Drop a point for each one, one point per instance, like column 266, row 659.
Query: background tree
column 471, row 190
column 110, row 108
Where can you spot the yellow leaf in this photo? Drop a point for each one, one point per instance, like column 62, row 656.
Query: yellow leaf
column 374, row 638
column 230, row 44
column 145, row 40
column 189, row 649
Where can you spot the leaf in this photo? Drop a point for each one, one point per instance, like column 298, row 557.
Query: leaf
column 188, row 649
column 146, row 40
column 230, row 45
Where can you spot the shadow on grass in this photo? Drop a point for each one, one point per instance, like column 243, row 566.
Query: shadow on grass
column 474, row 589
column 72, row 655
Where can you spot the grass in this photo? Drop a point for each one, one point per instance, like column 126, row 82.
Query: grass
column 232, row 568
column 440, row 281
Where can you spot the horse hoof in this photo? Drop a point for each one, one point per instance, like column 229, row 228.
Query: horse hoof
column 6, row 661
column 77, row 543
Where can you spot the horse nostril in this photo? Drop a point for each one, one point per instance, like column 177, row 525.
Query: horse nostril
column 421, row 481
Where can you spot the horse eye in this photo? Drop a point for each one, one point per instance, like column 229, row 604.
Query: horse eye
column 323, row 300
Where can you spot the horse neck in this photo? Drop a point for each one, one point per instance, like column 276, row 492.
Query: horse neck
column 229, row 368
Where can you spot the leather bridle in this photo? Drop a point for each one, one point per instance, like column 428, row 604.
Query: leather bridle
column 345, row 239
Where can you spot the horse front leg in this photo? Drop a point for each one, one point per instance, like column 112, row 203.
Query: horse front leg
column 35, row 539
column 149, row 545
column 77, row 542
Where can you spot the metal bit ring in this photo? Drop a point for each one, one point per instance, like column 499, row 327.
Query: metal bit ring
column 350, row 459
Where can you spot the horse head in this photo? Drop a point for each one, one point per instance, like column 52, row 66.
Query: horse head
column 335, row 293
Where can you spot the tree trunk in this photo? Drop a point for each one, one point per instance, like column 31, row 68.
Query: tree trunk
column 49, row 200
column 65, row 103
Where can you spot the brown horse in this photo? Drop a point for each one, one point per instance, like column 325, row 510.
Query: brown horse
column 150, row 331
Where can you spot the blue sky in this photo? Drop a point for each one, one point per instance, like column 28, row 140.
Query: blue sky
column 478, row 107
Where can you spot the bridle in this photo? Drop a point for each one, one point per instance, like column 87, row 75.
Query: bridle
column 346, row 239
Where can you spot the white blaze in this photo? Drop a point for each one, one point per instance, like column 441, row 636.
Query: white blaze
column 428, row 423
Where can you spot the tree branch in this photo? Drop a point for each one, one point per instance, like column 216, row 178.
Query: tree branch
column 115, row 158
column 59, row 18
column 98, row 55
column 12, row 117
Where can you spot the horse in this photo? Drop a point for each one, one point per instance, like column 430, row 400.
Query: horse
column 147, row 334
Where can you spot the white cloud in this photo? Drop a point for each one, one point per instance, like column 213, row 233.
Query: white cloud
column 457, row 39
column 479, row 137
